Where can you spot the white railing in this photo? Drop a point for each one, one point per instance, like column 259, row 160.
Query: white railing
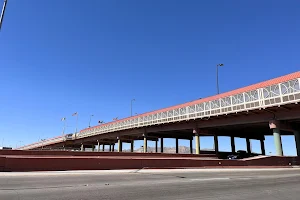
column 43, row 143
column 272, row 95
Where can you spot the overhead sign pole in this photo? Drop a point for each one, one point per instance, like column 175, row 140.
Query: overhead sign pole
column 2, row 13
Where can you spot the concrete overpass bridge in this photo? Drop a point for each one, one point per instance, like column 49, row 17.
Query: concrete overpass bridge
column 267, row 108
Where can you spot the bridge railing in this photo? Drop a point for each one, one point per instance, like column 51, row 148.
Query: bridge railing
column 44, row 143
column 272, row 95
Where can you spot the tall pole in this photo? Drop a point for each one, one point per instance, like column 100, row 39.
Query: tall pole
column 76, row 122
column 90, row 120
column 2, row 13
column 131, row 107
column 64, row 127
column 218, row 65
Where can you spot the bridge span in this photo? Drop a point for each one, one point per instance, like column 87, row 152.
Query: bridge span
column 267, row 108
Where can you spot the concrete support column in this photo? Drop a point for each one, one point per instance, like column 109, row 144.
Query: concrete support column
column 132, row 146
column 297, row 142
column 82, row 147
column 275, row 126
column 161, row 145
column 262, row 146
column 119, row 145
column 216, row 142
column 103, row 147
column 98, row 146
column 191, row 146
column 113, row 147
column 277, row 141
column 110, row 148
column 177, row 150
column 197, row 140
column 232, row 144
column 156, row 146
column 145, row 143
column 248, row 142
column 93, row 147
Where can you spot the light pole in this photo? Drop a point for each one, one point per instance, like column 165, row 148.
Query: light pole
column 2, row 13
column 132, row 100
column 64, row 127
column 76, row 114
column 218, row 65
column 90, row 120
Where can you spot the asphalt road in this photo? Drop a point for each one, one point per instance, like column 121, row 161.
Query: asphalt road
column 152, row 184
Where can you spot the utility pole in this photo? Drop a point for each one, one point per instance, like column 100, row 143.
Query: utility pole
column 2, row 13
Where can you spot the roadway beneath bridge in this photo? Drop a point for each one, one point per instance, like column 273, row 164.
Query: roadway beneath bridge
column 267, row 184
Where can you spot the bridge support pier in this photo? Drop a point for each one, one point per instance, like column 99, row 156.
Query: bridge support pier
column 197, row 140
column 277, row 141
column 232, row 144
column 82, row 147
column 216, row 142
column 98, row 145
column 103, row 147
column 191, row 146
column 113, row 147
column 119, row 145
column 93, row 147
column 145, row 143
column 110, row 148
column 156, row 146
column 297, row 141
column 248, row 142
column 177, row 150
column 262, row 146
column 161, row 145
column 275, row 126
column 132, row 146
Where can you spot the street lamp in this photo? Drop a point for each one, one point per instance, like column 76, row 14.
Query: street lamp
column 2, row 13
column 132, row 100
column 218, row 65
column 90, row 120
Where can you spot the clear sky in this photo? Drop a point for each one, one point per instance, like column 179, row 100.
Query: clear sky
column 58, row 57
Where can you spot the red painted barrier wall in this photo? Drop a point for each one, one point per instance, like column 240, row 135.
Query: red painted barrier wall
column 42, row 163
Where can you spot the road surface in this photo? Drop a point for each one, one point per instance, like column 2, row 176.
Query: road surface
column 219, row 184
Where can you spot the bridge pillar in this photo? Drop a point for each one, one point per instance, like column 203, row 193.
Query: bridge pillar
column 156, row 146
column 109, row 147
column 113, row 147
column 277, row 137
column 262, row 146
column 103, row 147
column 119, row 145
column 277, row 141
column 297, row 141
column 216, row 144
column 93, row 147
column 145, row 143
column 177, row 150
column 232, row 144
column 191, row 146
column 162, row 145
column 197, row 140
column 132, row 146
column 98, row 145
column 82, row 147
column 248, row 142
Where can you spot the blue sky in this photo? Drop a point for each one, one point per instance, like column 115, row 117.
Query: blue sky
column 92, row 57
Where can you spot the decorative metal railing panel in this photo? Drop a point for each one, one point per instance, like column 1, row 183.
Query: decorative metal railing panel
column 272, row 95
